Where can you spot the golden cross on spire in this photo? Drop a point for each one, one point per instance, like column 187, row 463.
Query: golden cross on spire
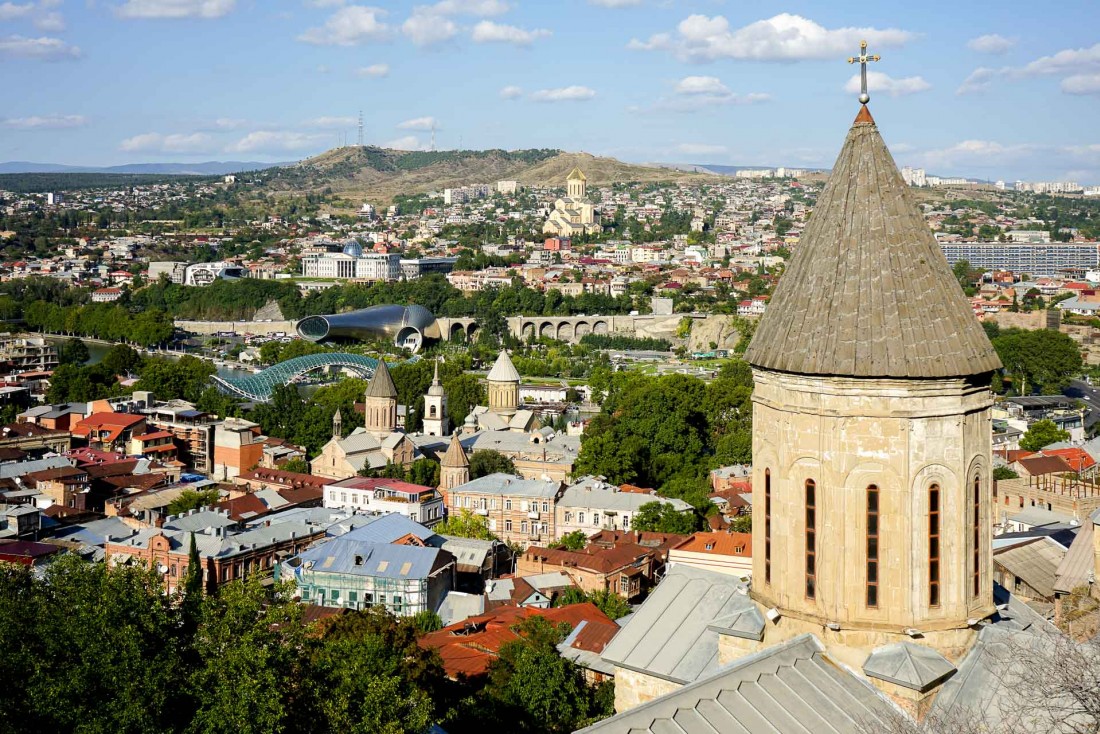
column 863, row 58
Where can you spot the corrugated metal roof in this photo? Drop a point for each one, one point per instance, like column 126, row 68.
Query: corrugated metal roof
column 1078, row 563
column 1034, row 563
column 671, row 636
column 791, row 687
column 366, row 558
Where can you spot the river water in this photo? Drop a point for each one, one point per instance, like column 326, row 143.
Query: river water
column 97, row 350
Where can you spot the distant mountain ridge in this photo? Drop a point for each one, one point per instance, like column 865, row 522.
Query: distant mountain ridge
column 208, row 168
column 378, row 174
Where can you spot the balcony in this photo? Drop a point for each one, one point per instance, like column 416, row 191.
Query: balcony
column 481, row 511
column 533, row 515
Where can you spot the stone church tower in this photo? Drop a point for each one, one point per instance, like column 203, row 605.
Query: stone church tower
column 503, row 381
column 435, row 407
column 454, row 469
column 871, row 427
column 576, row 186
column 381, row 400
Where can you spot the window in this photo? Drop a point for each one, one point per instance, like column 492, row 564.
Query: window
column 596, row 519
column 811, row 539
column 546, row 507
column 767, row 526
column 977, row 533
column 507, row 504
column 580, row 518
column 872, row 546
column 568, row 517
column 934, row 545
column 507, row 526
column 432, row 411
column 523, row 527
column 353, row 596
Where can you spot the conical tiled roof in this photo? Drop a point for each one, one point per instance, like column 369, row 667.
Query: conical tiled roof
column 868, row 292
column 456, row 455
column 576, row 175
column 381, row 384
column 503, row 370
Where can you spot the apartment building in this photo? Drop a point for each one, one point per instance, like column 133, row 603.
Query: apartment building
column 517, row 510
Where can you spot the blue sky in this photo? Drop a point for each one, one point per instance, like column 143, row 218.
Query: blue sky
column 994, row 90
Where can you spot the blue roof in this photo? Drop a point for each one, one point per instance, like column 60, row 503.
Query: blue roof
column 388, row 528
column 345, row 555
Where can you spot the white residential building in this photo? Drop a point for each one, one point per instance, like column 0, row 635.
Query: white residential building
column 420, row 504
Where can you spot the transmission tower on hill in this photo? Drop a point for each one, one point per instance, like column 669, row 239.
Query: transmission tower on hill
column 360, row 128
column 433, row 136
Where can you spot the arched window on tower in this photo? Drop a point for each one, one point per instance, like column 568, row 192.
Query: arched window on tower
column 767, row 526
column 811, row 539
column 431, row 411
column 872, row 545
column 976, row 509
column 934, row 545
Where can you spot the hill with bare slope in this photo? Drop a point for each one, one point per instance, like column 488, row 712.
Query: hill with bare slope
column 377, row 174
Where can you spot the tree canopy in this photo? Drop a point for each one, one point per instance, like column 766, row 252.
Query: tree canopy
column 1042, row 433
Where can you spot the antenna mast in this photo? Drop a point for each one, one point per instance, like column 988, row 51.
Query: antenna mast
column 360, row 128
column 433, row 136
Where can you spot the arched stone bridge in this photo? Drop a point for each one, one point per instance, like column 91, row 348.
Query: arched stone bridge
column 564, row 328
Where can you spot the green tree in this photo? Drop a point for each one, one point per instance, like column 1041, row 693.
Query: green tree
column 297, row 464
column 662, row 517
column 610, row 603
column 190, row 499
column 1003, row 472
column 540, row 689
column 249, row 646
column 73, row 351
column 465, row 525
column 1041, row 361
column 1042, row 433
column 488, row 461
column 122, row 359
column 573, row 541
column 424, row 472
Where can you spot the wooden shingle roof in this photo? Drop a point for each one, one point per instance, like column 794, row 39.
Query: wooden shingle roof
column 868, row 292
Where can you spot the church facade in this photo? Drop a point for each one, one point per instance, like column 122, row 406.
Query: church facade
column 573, row 214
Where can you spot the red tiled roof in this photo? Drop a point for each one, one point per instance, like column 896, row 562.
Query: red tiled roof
column 393, row 484
column 724, row 544
column 1078, row 458
column 1037, row 465
column 151, row 436
column 468, row 647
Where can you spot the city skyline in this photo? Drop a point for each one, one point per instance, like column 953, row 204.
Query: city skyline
column 960, row 91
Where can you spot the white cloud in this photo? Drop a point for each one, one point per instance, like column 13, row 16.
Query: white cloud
column 1081, row 84
column 45, row 122
column 991, row 43
column 894, row 87
column 695, row 92
column 409, row 142
column 489, row 32
column 42, row 49
column 230, row 123
column 374, row 71
column 701, row 85
column 15, row 11
column 477, row 8
column 563, row 94
column 426, row 28
column 511, row 92
column 175, row 143
column 784, row 37
column 615, row 3
column 331, row 123
column 979, row 80
column 1070, row 63
column 349, row 26
column 276, row 141
column 419, row 123
column 701, row 149
column 174, row 8
column 325, row 3
column 50, row 22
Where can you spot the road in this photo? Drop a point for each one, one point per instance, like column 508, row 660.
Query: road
column 1088, row 394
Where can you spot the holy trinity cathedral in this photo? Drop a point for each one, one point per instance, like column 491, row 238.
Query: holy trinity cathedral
column 573, row 214
column 872, row 593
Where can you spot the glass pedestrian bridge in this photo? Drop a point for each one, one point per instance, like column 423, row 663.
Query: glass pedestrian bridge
column 260, row 385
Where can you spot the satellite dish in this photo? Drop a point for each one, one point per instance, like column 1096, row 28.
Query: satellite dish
column 162, row 568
